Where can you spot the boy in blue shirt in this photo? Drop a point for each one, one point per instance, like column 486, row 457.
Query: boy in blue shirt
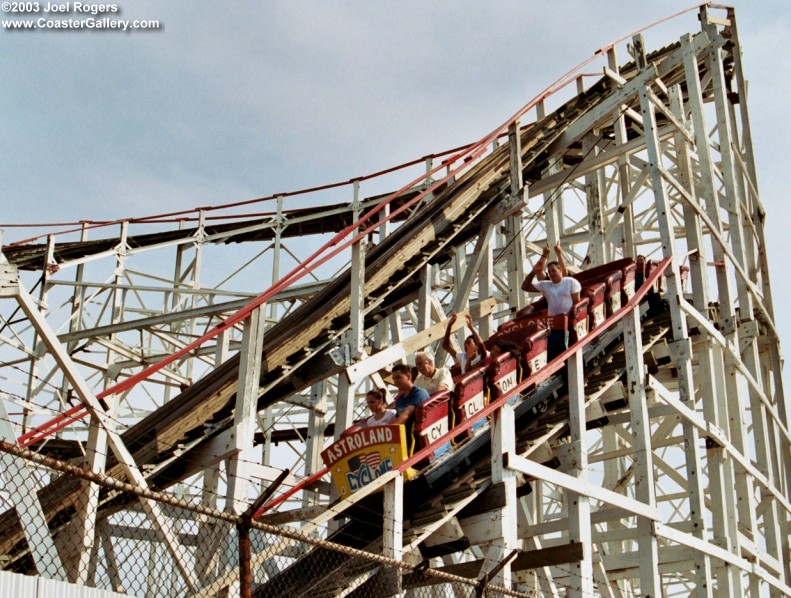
column 409, row 395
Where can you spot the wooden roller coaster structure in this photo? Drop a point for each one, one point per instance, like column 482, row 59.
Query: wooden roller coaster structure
column 651, row 457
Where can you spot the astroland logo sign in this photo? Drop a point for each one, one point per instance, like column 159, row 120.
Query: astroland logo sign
column 363, row 466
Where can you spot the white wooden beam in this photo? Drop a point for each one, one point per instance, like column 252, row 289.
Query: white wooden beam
column 393, row 529
column 552, row 476
column 581, row 584
column 247, row 387
column 642, row 458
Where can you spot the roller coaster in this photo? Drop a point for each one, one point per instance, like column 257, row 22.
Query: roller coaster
column 651, row 457
column 526, row 341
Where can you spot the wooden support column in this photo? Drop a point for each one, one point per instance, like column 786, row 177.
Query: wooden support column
column 267, row 421
column 315, row 439
column 380, row 330
column 553, row 200
column 352, row 347
column 464, row 287
column 645, row 490
column 210, row 530
column 681, row 350
column 516, row 256
column 177, row 304
column 643, row 464
column 344, row 408
column 248, row 384
column 773, row 376
column 344, row 404
column 486, row 287
column 172, row 301
column 581, row 582
column 500, row 553
column 357, row 329
column 110, row 560
column 711, row 368
column 247, row 388
column 394, row 321
column 32, row 376
column 594, row 193
column 728, row 201
column 424, row 297
column 393, row 531
column 77, row 313
column 614, row 468
column 83, row 531
column 87, row 507
column 515, row 251
column 762, row 443
column 624, row 171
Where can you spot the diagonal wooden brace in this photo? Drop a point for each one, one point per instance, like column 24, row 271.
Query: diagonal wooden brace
column 50, row 339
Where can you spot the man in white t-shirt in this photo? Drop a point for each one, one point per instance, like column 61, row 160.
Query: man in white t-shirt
column 560, row 290
column 429, row 376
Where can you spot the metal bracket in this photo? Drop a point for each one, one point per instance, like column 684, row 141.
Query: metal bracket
column 341, row 355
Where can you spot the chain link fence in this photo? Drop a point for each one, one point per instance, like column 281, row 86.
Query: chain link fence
column 153, row 544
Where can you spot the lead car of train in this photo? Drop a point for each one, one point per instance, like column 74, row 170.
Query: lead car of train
column 361, row 454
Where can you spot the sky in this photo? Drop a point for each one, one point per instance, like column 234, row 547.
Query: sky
column 230, row 101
